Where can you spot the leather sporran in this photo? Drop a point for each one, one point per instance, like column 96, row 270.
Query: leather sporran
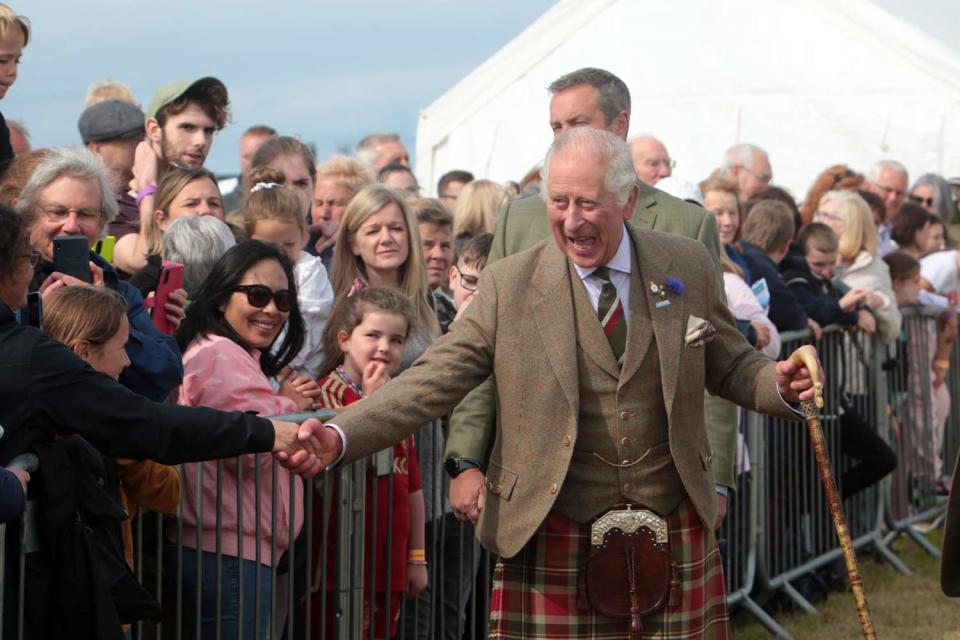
column 629, row 572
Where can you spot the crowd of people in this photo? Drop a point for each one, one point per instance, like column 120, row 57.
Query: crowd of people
column 310, row 283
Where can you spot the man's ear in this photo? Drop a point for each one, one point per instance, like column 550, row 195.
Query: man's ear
column 631, row 205
column 82, row 349
column 620, row 124
column 452, row 277
column 154, row 130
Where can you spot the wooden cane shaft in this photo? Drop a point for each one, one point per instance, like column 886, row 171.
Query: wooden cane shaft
column 839, row 521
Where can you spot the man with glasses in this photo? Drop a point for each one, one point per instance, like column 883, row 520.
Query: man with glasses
column 887, row 179
column 650, row 159
column 749, row 166
column 70, row 194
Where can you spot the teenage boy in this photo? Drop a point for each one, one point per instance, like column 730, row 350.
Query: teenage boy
column 181, row 121
column 809, row 279
column 465, row 274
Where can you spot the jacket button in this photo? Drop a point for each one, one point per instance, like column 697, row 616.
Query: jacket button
column 566, row 441
column 553, row 488
column 625, row 415
column 627, row 488
column 498, row 489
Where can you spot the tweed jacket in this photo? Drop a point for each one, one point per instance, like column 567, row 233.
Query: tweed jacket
column 520, row 328
column 523, row 224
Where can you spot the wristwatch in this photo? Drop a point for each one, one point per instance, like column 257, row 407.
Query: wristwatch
column 456, row 466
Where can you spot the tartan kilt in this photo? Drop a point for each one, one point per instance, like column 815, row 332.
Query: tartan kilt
column 536, row 593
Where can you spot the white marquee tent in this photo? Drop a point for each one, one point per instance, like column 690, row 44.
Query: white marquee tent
column 815, row 82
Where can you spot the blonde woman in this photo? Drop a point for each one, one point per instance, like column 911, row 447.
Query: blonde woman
column 181, row 192
column 857, row 264
column 477, row 209
column 14, row 36
column 338, row 180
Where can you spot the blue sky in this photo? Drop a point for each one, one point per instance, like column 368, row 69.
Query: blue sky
column 324, row 71
column 327, row 72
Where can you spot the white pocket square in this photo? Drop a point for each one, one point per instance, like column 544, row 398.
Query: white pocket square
column 699, row 332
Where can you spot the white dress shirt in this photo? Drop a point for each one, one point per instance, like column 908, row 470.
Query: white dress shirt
column 621, row 266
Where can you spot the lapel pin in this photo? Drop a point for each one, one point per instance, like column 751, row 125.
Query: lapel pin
column 663, row 303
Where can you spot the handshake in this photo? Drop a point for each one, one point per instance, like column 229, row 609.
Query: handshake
column 306, row 449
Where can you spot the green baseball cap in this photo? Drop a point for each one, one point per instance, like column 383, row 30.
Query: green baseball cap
column 171, row 92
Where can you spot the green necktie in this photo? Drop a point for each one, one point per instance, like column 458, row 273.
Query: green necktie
column 610, row 312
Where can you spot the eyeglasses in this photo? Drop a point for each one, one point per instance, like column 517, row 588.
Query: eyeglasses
column 57, row 213
column 467, row 281
column 925, row 202
column 844, row 174
column 34, row 258
column 889, row 190
column 762, row 177
column 670, row 163
column 824, row 215
column 259, row 296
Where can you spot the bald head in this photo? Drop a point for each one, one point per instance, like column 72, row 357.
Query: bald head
column 650, row 159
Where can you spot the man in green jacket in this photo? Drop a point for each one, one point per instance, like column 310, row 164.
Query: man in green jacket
column 595, row 98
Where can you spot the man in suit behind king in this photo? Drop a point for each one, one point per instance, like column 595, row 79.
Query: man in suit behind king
column 602, row 339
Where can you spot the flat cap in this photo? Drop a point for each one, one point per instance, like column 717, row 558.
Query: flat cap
column 110, row 120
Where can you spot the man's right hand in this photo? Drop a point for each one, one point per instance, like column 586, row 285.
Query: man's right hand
column 146, row 166
column 306, row 449
column 467, row 493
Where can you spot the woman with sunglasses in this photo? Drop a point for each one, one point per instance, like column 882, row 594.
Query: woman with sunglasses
column 932, row 192
column 229, row 361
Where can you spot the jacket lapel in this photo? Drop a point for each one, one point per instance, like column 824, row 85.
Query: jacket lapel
column 640, row 328
column 667, row 320
column 551, row 306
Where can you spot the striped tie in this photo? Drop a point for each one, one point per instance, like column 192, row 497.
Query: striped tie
column 610, row 312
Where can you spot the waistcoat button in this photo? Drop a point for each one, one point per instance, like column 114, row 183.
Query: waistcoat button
column 553, row 488
column 627, row 488
column 625, row 415
column 566, row 441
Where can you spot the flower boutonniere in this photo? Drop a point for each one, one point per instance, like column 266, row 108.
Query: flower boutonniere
column 673, row 285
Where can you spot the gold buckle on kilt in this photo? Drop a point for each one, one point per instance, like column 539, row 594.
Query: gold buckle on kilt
column 628, row 521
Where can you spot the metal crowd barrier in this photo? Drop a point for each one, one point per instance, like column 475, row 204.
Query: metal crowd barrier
column 777, row 530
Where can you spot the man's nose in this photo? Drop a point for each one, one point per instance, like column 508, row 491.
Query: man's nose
column 71, row 226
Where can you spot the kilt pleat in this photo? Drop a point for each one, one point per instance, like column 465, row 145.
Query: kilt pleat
column 536, row 593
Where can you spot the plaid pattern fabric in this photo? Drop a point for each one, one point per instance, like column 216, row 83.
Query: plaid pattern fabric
column 536, row 593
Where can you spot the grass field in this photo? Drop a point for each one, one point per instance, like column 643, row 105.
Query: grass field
column 903, row 607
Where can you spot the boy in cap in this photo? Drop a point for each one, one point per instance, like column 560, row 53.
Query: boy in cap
column 181, row 120
column 113, row 129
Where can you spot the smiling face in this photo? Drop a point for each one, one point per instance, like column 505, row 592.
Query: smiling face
column 69, row 206
column 258, row 327
column 586, row 221
column 111, row 357
column 199, row 198
column 726, row 210
column 382, row 242
column 380, row 337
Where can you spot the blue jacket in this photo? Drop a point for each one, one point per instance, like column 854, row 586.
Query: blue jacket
column 12, row 500
column 785, row 312
column 156, row 367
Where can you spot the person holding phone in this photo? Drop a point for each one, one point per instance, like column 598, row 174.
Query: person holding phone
column 69, row 194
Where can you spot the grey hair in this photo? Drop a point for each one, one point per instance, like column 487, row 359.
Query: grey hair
column 77, row 162
column 942, row 198
column 741, row 155
column 196, row 242
column 366, row 152
column 596, row 144
column 614, row 96
column 874, row 174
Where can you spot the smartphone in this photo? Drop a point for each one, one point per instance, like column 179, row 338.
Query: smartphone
column 104, row 247
column 32, row 314
column 171, row 279
column 71, row 256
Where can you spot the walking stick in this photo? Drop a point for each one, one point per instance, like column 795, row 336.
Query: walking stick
column 806, row 356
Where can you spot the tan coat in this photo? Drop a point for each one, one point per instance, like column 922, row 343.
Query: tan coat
column 521, row 329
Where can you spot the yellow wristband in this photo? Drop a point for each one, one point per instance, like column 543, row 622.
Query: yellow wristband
column 942, row 364
column 417, row 554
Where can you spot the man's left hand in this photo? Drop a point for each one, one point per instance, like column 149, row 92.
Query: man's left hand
column 793, row 381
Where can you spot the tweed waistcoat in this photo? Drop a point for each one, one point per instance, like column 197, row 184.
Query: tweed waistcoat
column 622, row 423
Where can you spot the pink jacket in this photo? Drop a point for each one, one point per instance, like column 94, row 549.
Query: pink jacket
column 219, row 373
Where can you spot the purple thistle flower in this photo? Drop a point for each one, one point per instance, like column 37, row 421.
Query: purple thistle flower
column 675, row 285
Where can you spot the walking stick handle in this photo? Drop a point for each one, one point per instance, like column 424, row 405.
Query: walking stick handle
column 807, row 356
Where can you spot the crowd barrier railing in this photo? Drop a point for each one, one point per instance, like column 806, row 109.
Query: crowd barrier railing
column 329, row 576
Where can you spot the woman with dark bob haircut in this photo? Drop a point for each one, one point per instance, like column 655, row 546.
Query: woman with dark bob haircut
column 244, row 327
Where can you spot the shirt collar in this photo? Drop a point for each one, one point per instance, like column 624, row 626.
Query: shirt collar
column 620, row 262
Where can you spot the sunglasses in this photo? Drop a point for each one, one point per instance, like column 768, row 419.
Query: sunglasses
column 925, row 202
column 259, row 296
